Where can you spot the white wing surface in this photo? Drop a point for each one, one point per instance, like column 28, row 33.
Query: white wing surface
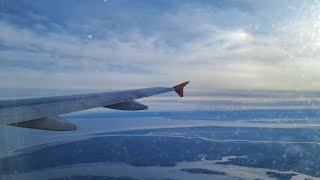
column 42, row 113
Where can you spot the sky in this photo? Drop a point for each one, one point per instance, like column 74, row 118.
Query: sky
column 124, row 44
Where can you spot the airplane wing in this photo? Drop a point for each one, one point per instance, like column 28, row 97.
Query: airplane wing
column 42, row 113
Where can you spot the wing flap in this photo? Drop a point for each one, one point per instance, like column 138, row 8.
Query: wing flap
column 56, row 108
column 17, row 114
column 48, row 123
column 95, row 102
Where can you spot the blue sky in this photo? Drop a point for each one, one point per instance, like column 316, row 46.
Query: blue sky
column 123, row 44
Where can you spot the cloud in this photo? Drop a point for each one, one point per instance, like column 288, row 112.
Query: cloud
column 226, row 46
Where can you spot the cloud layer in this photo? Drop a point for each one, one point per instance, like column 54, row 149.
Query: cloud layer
column 124, row 44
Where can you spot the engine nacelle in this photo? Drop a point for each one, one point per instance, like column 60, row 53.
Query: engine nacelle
column 128, row 106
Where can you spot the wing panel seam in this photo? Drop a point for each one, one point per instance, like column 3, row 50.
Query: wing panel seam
column 35, row 108
column 81, row 103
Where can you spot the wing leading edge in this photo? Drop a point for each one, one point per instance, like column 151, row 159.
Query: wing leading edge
column 42, row 113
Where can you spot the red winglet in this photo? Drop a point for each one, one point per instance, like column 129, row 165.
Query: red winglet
column 179, row 88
